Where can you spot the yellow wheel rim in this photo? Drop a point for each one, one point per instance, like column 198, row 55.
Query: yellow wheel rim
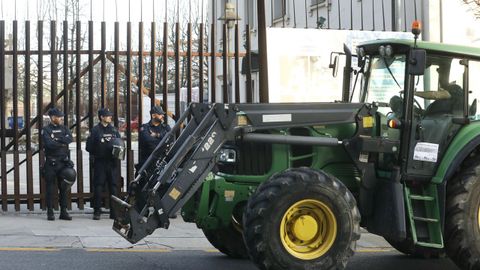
column 478, row 217
column 308, row 229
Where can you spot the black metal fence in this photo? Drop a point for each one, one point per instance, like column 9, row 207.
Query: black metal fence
column 82, row 95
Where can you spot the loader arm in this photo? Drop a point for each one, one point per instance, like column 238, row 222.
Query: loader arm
column 173, row 172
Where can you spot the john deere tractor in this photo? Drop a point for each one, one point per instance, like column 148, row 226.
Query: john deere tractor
column 290, row 185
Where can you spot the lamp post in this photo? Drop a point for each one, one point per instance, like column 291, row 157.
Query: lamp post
column 230, row 17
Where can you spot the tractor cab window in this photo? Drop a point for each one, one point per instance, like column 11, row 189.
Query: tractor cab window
column 440, row 90
column 386, row 80
column 474, row 89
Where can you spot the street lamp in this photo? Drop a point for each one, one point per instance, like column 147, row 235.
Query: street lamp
column 230, row 17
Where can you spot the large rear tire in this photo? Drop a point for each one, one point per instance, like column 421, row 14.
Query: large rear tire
column 301, row 219
column 462, row 228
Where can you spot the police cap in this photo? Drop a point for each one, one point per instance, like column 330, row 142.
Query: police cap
column 157, row 110
column 104, row 112
column 55, row 112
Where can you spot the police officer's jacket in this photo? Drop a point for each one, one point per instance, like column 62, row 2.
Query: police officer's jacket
column 149, row 137
column 56, row 139
column 100, row 141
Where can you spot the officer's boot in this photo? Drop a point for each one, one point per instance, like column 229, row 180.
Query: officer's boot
column 50, row 215
column 64, row 214
column 96, row 214
column 63, row 202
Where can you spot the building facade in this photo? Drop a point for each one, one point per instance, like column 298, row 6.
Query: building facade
column 449, row 21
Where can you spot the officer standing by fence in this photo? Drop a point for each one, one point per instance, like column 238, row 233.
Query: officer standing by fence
column 58, row 167
column 100, row 144
column 151, row 134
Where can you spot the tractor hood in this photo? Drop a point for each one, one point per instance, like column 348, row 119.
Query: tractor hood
column 287, row 115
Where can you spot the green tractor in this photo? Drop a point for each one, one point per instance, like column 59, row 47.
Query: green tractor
column 290, row 185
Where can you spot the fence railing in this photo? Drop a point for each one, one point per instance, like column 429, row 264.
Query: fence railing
column 108, row 78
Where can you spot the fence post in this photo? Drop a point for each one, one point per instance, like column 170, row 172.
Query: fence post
column 27, row 99
column 81, row 199
column 41, row 156
column 16, row 171
column 262, row 51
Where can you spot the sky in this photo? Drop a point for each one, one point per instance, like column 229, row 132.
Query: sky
column 145, row 10
column 115, row 10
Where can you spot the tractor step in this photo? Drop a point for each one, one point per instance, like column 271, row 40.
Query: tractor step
column 421, row 198
column 429, row 245
column 432, row 220
column 424, row 216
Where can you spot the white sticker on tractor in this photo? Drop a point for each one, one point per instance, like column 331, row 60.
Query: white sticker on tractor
column 272, row 118
column 426, row 152
column 193, row 168
column 229, row 195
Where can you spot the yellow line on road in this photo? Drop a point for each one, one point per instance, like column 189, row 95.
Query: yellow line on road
column 374, row 250
column 212, row 250
column 128, row 250
column 29, row 249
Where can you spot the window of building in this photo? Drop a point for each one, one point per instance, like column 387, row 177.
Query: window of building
column 251, row 13
column 316, row 2
column 279, row 9
column 222, row 7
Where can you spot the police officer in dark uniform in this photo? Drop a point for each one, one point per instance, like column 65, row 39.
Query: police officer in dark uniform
column 100, row 145
column 56, row 138
column 151, row 134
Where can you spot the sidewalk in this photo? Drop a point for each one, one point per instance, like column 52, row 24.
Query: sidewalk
column 32, row 230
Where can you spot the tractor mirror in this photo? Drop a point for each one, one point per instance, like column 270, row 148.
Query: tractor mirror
column 417, row 62
column 334, row 66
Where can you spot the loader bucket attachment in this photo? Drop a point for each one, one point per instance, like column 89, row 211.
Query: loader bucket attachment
column 130, row 224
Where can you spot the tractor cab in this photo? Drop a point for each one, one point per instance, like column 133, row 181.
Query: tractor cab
column 421, row 101
column 421, row 106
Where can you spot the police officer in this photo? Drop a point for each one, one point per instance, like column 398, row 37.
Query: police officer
column 100, row 145
column 151, row 134
column 56, row 138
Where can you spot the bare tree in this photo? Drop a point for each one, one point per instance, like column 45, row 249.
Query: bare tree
column 184, row 19
column 475, row 4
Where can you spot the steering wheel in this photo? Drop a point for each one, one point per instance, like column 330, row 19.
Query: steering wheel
column 397, row 103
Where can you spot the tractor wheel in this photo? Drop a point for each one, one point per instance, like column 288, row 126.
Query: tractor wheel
column 462, row 228
column 406, row 247
column 301, row 219
column 228, row 240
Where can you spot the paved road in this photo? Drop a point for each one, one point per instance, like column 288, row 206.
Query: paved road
column 29, row 241
column 80, row 259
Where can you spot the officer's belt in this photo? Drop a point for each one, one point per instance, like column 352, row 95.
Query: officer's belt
column 59, row 158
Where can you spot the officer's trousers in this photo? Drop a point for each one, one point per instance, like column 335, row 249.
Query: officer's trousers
column 52, row 168
column 105, row 172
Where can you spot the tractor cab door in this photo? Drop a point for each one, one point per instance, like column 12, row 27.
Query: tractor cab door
column 438, row 114
column 385, row 84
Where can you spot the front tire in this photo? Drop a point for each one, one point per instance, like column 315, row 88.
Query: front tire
column 462, row 226
column 228, row 240
column 301, row 219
